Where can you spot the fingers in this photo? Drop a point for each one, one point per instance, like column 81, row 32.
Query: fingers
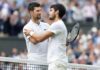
column 26, row 32
column 27, row 29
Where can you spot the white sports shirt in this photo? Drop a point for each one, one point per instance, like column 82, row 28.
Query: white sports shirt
column 57, row 44
column 36, row 52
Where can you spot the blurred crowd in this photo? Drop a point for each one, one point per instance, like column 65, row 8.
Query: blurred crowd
column 15, row 53
column 14, row 14
column 85, row 50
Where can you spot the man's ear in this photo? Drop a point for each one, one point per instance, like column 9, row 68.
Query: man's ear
column 30, row 12
column 57, row 12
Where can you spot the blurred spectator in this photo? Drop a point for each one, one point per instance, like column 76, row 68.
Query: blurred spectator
column 14, row 26
column 13, row 6
column 98, row 11
column 98, row 1
column 98, row 37
column 64, row 2
column 4, row 14
column 70, row 54
column 97, row 50
column 78, row 13
column 70, row 10
column 83, row 42
column 3, row 54
column 22, row 55
column 77, row 52
column 20, row 3
column 92, row 57
column 90, row 45
column 81, row 2
column 75, row 61
column 89, row 11
column 24, row 15
column 83, row 57
column 98, row 61
column 93, row 34
column 14, row 53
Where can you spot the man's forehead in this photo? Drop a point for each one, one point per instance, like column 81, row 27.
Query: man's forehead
column 37, row 8
column 51, row 9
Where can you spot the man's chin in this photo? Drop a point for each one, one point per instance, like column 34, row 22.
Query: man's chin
column 51, row 18
column 39, row 18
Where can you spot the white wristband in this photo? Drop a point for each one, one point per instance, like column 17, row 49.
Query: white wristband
column 28, row 37
column 31, row 33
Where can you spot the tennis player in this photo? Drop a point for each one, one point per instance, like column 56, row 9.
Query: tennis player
column 36, row 52
column 56, row 56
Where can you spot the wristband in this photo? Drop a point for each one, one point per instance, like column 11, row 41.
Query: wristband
column 31, row 33
column 28, row 37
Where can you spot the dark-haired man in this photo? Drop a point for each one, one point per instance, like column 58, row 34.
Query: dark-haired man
column 36, row 52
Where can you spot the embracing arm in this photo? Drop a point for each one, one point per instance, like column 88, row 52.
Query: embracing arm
column 38, row 38
column 32, row 39
column 29, row 37
column 53, row 30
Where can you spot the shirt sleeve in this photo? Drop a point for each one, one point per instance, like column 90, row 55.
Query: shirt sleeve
column 55, row 28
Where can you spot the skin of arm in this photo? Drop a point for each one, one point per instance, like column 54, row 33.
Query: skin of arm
column 29, row 37
column 32, row 40
column 38, row 38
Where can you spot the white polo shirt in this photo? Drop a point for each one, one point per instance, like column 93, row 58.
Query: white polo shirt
column 57, row 44
column 36, row 52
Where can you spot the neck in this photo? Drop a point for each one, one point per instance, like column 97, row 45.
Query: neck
column 35, row 20
column 56, row 19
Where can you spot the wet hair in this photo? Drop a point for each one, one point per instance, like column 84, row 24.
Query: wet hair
column 32, row 5
column 60, row 8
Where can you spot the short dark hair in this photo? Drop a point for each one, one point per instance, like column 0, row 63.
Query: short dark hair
column 32, row 5
column 60, row 8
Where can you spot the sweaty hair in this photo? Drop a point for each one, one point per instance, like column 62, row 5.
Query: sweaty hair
column 32, row 5
column 60, row 8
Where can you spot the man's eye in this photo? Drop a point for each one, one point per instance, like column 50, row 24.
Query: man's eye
column 50, row 10
column 37, row 10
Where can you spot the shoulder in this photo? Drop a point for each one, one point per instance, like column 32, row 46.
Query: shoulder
column 27, row 25
column 57, row 24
